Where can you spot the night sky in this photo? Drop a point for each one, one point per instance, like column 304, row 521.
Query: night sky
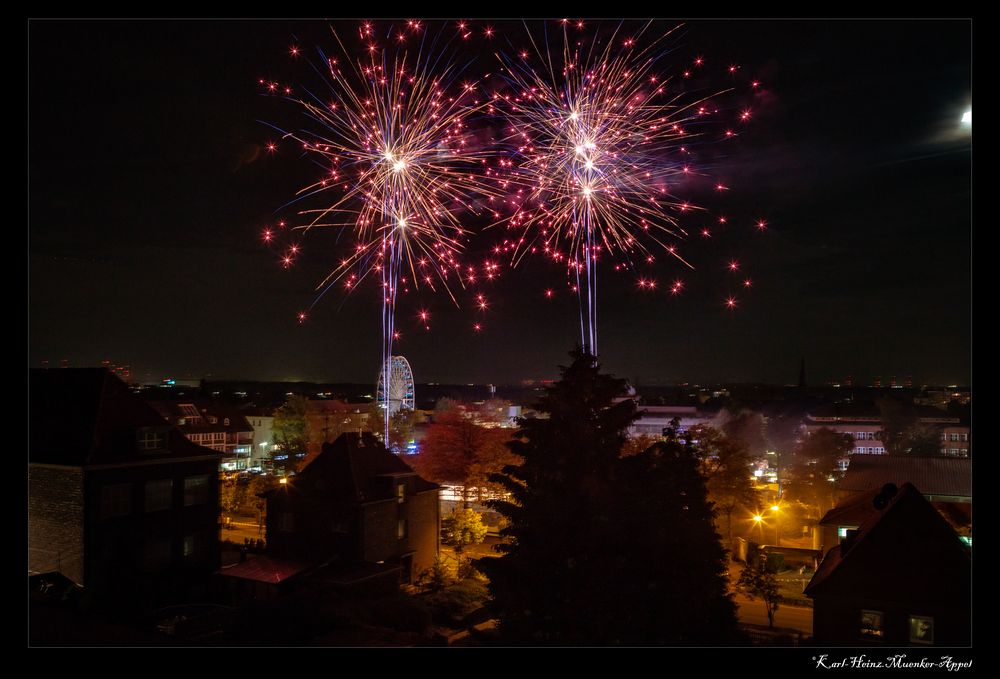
column 150, row 185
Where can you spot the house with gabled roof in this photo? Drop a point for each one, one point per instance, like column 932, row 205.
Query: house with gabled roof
column 356, row 503
column 903, row 578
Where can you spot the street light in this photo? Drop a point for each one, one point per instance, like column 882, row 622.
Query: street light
column 759, row 520
column 777, row 536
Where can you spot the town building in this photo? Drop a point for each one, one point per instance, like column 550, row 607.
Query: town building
column 214, row 426
column 356, row 503
column 902, row 579
column 119, row 501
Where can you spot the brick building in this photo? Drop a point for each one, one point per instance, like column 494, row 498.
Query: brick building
column 118, row 501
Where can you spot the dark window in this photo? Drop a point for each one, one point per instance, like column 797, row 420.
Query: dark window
column 401, row 529
column 116, row 500
column 156, row 553
column 159, row 495
column 195, row 490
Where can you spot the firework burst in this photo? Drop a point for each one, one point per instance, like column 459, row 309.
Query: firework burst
column 398, row 167
column 598, row 139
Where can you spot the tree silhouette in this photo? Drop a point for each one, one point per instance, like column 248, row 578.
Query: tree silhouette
column 603, row 549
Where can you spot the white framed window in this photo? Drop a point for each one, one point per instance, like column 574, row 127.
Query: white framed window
column 189, row 410
column 965, row 437
column 225, row 422
column 159, row 495
column 954, row 437
column 150, row 440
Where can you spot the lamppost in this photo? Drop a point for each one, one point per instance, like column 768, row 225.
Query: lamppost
column 777, row 535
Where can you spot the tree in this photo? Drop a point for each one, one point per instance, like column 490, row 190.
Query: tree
column 463, row 528
column 456, row 450
column 290, row 431
column 923, row 439
column 638, row 444
column 401, row 428
column 603, row 549
column 233, row 497
column 897, row 418
column 817, row 466
column 758, row 581
column 726, row 464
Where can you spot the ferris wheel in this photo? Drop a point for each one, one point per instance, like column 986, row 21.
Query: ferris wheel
column 400, row 391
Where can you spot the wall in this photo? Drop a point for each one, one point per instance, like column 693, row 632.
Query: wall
column 55, row 520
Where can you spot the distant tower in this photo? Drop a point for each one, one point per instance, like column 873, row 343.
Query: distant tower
column 878, row 382
column 849, row 382
column 802, row 373
column 909, row 382
column 892, row 381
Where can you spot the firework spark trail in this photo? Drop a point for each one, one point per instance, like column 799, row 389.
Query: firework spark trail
column 596, row 139
column 395, row 150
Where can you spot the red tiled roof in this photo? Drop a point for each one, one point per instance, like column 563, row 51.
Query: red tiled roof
column 265, row 569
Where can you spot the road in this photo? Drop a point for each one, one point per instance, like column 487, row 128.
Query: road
column 792, row 617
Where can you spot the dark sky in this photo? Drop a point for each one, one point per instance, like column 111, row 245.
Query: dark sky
column 149, row 188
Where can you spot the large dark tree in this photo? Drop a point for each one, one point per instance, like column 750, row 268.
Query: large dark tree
column 605, row 550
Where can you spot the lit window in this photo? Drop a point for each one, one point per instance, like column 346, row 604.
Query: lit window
column 116, row 500
column 195, row 490
column 225, row 422
column 150, row 440
column 159, row 495
column 401, row 493
column 401, row 529
column 921, row 629
column 871, row 624
column 189, row 410
column 965, row 437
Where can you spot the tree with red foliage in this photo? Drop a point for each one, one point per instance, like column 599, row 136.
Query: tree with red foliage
column 457, row 450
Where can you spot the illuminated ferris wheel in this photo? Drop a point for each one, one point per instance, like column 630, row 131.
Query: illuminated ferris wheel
column 400, row 391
